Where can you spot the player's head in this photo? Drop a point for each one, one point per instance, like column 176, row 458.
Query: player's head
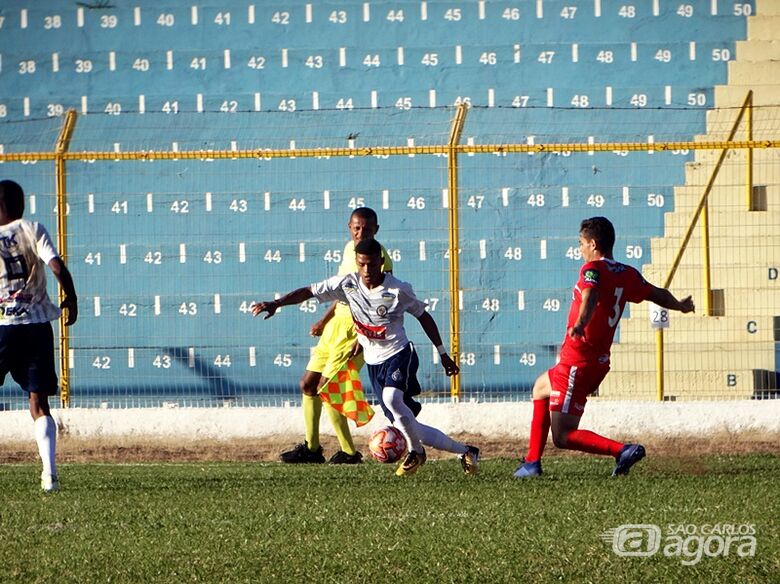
column 597, row 237
column 11, row 201
column 363, row 224
column 368, row 257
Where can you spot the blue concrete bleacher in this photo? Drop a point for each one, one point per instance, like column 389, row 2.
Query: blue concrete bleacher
column 149, row 75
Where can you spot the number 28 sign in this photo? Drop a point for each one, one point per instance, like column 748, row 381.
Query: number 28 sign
column 659, row 317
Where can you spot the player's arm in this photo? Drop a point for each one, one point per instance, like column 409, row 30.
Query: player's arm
column 590, row 297
column 319, row 326
column 70, row 302
column 432, row 330
column 662, row 297
column 294, row 297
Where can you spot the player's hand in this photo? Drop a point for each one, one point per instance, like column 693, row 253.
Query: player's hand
column 357, row 348
column 317, row 328
column 577, row 332
column 686, row 305
column 450, row 367
column 269, row 307
column 71, row 307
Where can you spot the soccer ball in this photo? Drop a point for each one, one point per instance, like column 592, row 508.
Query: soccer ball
column 387, row 444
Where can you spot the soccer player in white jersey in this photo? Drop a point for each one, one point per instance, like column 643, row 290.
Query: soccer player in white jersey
column 336, row 345
column 26, row 337
column 378, row 301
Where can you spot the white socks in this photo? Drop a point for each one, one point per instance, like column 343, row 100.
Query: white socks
column 46, row 437
column 404, row 418
column 417, row 434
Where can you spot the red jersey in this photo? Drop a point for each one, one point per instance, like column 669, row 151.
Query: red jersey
column 616, row 284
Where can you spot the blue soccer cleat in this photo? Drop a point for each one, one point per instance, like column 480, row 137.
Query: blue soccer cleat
column 628, row 457
column 529, row 469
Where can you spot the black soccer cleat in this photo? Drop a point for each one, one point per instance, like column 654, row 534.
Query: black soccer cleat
column 302, row 455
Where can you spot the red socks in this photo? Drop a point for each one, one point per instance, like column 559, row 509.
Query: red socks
column 540, row 428
column 587, row 441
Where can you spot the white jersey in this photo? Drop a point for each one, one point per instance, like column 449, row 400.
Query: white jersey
column 378, row 313
column 25, row 249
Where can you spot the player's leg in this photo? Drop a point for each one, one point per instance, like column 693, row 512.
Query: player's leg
column 540, row 427
column 566, row 415
column 310, row 450
column 37, row 376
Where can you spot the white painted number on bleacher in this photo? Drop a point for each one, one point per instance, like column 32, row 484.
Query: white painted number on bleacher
column 283, row 360
column 83, row 66
column 536, row 200
column 568, row 12
column 188, row 309
column 222, row 361
column 395, row 254
column 50, row 22
column 475, row 201
column 170, row 107
column 108, row 21
column 520, row 101
column 488, row 58
column 314, row 62
column 141, row 64
column 395, row 16
column 273, row 256
column 245, row 307
column 595, row 200
column 297, row 205
column 605, row 57
column 431, row 304
column 452, row 14
column 344, row 104
column 281, row 18
column 417, row 203
column 165, row 19
column 528, row 359
column 229, row 106
column 580, row 101
column 93, row 258
column 469, row 359
column 721, row 54
column 26, row 67
column 627, row 11
column 213, row 257
column 128, row 310
column 552, row 305
column 574, row 253
column 655, row 200
column 119, row 207
column 511, row 14
column 685, row 10
column 256, row 62
column 633, row 252
column 333, row 256
column 491, row 304
column 153, row 257
column 697, row 99
column 372, row 60
column 287, row 105
column 743, row 10
column 162, row 361
column 514, row 253
column 239, row 205
column 338, row 17
column 546, row 57
column 102, row 362
column 663, row 55
column 181, row 206
column 638, row 100
column 222, row 19
column 309, row 305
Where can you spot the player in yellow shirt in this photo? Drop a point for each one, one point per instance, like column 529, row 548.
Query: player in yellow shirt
column 337, row 344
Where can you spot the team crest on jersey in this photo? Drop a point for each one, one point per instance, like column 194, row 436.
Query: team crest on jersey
column 397, row 375
column 591, row 276
column 381, row 310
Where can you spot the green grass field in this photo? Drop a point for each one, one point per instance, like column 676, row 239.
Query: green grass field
column 252, row 522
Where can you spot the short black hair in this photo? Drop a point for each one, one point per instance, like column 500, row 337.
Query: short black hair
column 369, row 247
column 11, row 199
column 366, row 213
column 601, row 230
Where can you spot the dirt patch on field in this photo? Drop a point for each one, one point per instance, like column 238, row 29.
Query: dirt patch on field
column 71, row 449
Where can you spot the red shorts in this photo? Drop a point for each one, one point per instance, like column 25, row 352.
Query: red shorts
column 572, row 384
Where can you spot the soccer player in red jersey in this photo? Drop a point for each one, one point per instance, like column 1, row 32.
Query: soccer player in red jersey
column 560, row 394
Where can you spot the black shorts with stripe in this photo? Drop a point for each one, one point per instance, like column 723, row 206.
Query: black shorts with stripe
column 27, row 353
column 400, row 372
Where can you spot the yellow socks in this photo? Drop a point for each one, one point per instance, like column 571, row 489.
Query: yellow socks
column 312, row 408
column 341, row 427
